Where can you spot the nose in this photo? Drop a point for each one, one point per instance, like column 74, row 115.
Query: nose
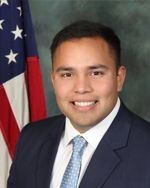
column 82, row 85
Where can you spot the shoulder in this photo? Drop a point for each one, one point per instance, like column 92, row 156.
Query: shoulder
column 132, row 117
column 134, row 123
column 139, row 127
column 138, row 122
column 42, row 129
column 47, row 123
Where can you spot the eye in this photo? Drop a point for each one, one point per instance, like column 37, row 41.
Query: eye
column 97, row 73
column 66, row 75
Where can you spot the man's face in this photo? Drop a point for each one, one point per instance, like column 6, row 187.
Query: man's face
column 85, row 80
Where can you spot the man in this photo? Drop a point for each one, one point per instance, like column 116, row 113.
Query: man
column 87, row 77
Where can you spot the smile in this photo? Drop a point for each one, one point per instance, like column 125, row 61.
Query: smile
column 84, row 104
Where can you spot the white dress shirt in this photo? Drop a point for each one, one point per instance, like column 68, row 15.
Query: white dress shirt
column 93, row 136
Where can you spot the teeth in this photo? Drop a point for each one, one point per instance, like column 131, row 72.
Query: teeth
column 84, row 103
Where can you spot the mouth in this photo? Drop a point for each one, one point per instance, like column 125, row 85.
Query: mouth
column 84, row 105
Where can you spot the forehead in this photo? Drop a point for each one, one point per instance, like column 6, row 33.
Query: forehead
column 89, row 50
column 88, row 41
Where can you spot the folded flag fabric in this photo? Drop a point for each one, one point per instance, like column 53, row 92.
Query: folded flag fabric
column 22, row 97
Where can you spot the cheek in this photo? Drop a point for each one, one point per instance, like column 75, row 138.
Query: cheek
column 107, row 88
column 61, row 90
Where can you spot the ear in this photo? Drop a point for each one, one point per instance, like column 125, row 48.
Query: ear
column 121, row 75
column 52, row 77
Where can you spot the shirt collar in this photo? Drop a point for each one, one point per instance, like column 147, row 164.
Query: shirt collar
column 94, row 135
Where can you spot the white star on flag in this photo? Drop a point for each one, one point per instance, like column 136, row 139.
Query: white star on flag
column 20, row 10
column 17, row 33
column 11, row 56
column 3, row 2
column 1, row 21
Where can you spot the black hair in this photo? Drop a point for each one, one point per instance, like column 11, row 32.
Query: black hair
column 85, row 28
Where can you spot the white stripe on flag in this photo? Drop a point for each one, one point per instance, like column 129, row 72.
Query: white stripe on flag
column 17, row 95
column 5, row 162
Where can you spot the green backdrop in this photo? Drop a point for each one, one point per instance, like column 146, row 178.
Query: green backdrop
column 131, row 21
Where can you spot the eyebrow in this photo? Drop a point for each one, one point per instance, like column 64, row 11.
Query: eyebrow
column 59, row 69
column 92, row 67
column 98, row 66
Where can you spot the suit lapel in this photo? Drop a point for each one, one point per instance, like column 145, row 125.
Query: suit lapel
column 105, row 158
column 47, row 156
column 101, row 165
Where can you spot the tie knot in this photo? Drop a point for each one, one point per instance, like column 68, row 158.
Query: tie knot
column 79, row 144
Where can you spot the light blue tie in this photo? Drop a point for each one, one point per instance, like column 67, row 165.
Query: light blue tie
column 71, row 175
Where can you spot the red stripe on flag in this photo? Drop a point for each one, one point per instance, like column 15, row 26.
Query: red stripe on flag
column 8, row 124
column 36, row 96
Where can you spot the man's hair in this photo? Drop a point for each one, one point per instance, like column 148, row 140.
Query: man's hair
column 90, row 29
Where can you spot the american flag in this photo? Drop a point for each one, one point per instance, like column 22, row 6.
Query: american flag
column 21, row 90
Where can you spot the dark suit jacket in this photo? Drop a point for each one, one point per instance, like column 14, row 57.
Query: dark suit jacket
column 121, row 160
